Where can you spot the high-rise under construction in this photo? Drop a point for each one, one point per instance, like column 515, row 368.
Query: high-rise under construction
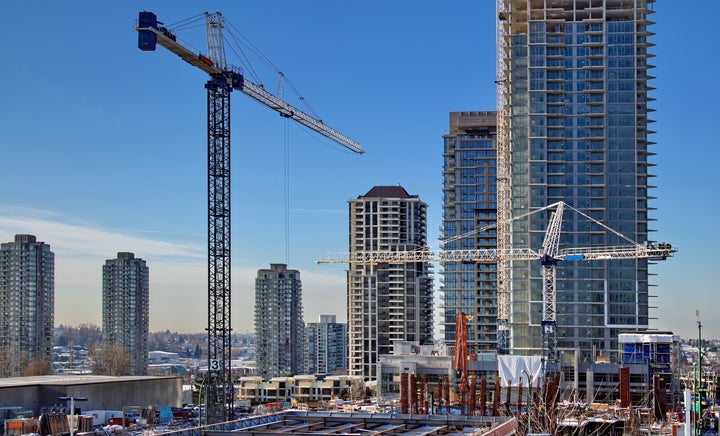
column 574, row 126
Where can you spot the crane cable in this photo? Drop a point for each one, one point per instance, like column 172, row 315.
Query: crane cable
column 286, row 174
column 239, row 40
column 240, row 45
column 286, row 122
column 190, row 22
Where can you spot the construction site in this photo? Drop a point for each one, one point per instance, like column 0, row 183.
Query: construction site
column 642, row 395
column 545, row 381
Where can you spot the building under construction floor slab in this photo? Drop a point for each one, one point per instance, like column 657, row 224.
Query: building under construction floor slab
column 326, row 423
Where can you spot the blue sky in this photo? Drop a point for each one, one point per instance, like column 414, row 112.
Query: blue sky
column 104, row 146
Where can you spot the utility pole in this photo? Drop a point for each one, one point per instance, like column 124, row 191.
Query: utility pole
column 698, row 419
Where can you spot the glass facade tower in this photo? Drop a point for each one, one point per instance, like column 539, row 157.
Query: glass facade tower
column 470, row 203
column 326, row 343
column 577, row 75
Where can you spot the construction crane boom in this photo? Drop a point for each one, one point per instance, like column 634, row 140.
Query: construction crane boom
column 654, row 251
column 223, row 80
column 165, row 38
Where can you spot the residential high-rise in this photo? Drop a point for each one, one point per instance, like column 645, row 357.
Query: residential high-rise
column 126, row 309
column 27, row 303
column 574, row 85
column 326, row 346
column 279, row 324
column 470, row 203
column 387, row 303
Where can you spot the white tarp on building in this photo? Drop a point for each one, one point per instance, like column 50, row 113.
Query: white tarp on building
column 511, row 370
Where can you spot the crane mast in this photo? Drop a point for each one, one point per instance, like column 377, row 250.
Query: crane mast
column 218, row 396
column 551, row 245
column 218, row 393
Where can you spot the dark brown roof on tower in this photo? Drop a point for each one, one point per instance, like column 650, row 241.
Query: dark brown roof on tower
column 387, row 192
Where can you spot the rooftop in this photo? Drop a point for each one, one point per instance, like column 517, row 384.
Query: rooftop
column 66, row 380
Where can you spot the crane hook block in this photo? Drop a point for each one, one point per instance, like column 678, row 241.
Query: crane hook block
column 147, row 40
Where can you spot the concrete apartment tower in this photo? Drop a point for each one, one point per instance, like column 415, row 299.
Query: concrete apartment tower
column 126, row 308
column 574, row 98
column 279, row 324
column 27, row 304
column 326, row 346
column 387, row 303
column 470, row 203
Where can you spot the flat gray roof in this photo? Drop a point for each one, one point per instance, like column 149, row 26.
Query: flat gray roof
column 69, row 380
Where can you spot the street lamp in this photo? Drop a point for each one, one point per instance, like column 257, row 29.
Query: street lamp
column 529, row 402
column 72, row 410
column 698, row 418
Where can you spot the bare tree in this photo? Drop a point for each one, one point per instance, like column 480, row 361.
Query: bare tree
column 110, row 359
column 12, row 362
column 37, row 367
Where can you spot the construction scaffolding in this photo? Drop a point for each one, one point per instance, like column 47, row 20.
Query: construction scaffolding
column 504, row 186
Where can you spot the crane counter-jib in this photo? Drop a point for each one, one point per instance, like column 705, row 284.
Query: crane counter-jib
column 149, row 36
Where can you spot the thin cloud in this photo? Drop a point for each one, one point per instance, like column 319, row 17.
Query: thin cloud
column 83, row 241
column 178, row 274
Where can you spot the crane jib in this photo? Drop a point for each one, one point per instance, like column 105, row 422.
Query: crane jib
column 151, row 34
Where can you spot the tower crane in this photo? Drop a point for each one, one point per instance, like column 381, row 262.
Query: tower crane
column 223, row 80
column 549, row 255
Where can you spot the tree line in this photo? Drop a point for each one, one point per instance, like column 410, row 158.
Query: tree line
column 107, row 359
